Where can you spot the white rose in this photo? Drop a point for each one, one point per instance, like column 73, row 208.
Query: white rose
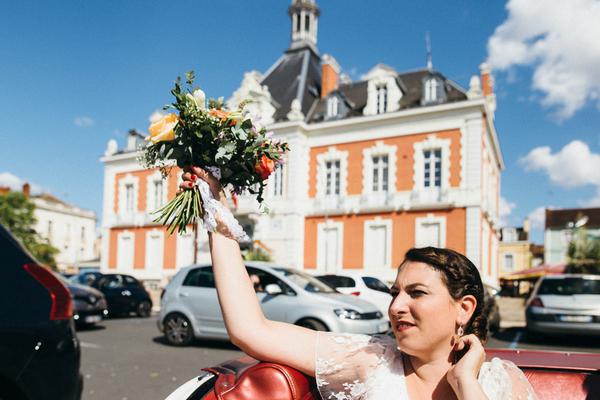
column 198, row 98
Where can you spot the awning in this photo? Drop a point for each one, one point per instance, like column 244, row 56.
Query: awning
column 535, row 272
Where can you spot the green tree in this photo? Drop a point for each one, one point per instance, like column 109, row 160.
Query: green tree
column 584, row 253
column 17, row 215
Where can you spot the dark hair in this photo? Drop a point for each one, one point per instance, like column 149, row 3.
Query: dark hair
column 461, row 277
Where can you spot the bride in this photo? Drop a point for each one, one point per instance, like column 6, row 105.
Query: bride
column 436, row 315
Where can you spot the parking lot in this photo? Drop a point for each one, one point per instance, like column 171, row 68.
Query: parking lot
column 127, row 359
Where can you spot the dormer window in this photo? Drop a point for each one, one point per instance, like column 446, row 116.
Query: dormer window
column 333, row 106
column 307, row 22
column 433, row 90
column 382, row 99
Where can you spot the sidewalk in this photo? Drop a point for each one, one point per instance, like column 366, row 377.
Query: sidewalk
column 512, row 312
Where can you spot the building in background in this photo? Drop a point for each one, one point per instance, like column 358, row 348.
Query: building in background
column 377, row 166
column 514, row 252
column 559, row 229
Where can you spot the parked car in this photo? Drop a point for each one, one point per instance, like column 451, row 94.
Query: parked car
column 190, row 308
column 40, row 353
column 361, row 284
column 124, row 295
column 553, row 375
column 89, row 304
column 565, row 304
column 490, row 307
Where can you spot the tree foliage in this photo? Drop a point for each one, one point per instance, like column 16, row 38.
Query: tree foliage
column 17, row 215
column 584, row 253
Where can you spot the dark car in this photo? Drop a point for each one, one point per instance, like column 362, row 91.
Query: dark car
column 124, row 295
column 89, row 304
column 86, row 278
column 490, row 308
column 39, row 350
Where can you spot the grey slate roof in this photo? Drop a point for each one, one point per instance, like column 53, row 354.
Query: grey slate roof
column 296, row 75
column 411, row 84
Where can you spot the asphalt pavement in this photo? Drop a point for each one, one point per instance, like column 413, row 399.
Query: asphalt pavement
column 128, row 359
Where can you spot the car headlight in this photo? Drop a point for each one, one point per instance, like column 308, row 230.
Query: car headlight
column 347, row 313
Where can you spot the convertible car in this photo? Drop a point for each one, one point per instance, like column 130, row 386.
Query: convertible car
column 553, row 375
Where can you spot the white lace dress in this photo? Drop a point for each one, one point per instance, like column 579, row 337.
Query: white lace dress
column 361, row 367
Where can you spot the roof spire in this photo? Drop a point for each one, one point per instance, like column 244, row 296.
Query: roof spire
column 428, row 48
column 305, row 18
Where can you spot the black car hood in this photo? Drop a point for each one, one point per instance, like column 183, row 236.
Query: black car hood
column 82, row 290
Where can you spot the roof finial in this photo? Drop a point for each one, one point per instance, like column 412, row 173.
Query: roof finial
column 428, row 47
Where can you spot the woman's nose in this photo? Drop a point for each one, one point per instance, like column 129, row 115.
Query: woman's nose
column 399, row 305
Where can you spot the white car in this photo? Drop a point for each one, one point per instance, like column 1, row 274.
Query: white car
column 363, row 285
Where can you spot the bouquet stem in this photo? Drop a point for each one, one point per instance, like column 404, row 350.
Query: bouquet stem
column 185, row 209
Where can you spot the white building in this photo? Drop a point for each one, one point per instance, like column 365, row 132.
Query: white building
column 70, row 229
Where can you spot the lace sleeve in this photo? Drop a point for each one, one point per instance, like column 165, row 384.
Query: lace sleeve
column 503, row 380
column 356, row 367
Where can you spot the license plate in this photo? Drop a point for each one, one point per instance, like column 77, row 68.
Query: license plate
column 575, row 318
column 384, row 326
column 91, row 319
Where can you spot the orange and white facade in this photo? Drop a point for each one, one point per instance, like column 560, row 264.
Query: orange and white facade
column 377, row 166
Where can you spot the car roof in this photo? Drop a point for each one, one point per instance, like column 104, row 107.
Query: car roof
column 352, row 274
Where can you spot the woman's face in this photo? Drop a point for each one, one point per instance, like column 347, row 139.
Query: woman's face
column 422, row 313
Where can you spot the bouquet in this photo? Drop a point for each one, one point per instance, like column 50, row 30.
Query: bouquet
column 235, row 150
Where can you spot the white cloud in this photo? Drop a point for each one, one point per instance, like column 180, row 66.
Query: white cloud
column 559, row 39
column 16, row 184
column 156, row 115
column 506, row 208
column 83, row 121
column 573, row 166
column 537, row 218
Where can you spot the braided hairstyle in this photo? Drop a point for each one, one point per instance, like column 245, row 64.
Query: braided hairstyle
column 461, row 277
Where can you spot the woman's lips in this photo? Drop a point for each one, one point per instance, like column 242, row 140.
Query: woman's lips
column 403, row 326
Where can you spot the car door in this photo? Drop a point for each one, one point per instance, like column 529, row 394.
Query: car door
column 117, row 295
column 138, row 293
column 275, row 307
column 199, row 295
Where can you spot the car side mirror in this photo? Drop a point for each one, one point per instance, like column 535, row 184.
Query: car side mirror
column 273, row 289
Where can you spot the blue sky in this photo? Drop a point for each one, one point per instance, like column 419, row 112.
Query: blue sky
column 74, row 74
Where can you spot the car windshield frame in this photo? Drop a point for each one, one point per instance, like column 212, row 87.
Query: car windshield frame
column 305, row 281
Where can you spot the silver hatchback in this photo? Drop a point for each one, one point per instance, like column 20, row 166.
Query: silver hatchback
column 565, row 304
column 190, row 308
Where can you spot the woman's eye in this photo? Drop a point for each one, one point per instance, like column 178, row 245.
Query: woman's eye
column 417, row 293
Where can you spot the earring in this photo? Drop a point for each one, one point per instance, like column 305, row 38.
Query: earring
column 460, row 331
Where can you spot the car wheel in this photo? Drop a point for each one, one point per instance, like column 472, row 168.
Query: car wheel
column 313, row 324
column 144, row 308
column 178, row 330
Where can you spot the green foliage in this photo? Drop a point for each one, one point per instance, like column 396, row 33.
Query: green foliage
column 212, row 137
column 17, row 215
column 584, row 253
column 256, row 253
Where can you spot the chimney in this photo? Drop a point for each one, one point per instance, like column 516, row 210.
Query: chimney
column 330, row 70
column 487, row 86
column 26, row 189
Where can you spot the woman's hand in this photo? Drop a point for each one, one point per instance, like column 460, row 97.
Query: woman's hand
column 462, row 376
column 189, row 176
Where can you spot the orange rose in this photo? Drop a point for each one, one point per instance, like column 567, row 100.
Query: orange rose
column 222, row 115
column 265, row 167
column 163, row 129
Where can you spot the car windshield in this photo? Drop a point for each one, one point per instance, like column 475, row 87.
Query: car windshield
column 305, row 281
column 570, row 286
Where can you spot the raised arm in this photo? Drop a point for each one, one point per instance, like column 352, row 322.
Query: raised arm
column 245, row 322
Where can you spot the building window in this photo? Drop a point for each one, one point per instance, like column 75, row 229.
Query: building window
column 329, row 246
column 49, row 235
column 307, row 22
column 380, row 173
column 382, row 98
column 431, row 90
column 278, row 181
column 332, row 178
column 430, row 231
column 158, row 193
column 509, row 262
column 378, row 244
column 332, row 106
column 432, row 168
column 129, row 198
column 297, row 27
